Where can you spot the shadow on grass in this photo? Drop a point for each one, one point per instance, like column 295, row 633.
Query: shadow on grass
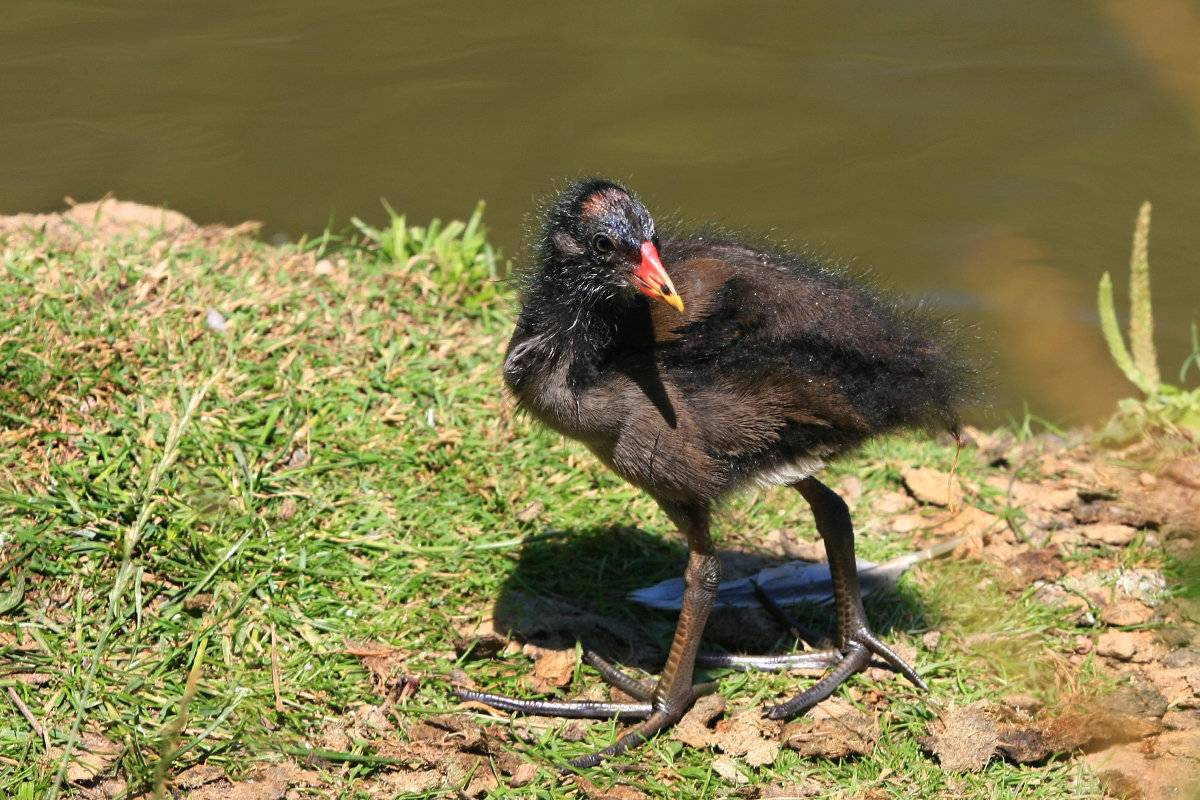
column 573, row 588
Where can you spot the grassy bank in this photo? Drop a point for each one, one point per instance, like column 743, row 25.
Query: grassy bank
column 262, row 506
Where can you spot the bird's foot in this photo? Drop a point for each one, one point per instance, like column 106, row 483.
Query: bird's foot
column 853, row 658
column 857, row 655
column 654, row 718
column 843, row 664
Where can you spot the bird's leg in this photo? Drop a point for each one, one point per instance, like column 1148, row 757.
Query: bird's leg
column 663, row 705
column 701, row 581
column 855, row 638
column 674, row 693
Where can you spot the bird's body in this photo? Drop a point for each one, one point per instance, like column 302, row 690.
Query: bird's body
column 693, row 366
column 774, row 367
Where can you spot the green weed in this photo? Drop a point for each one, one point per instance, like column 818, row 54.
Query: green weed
column 1163, row 407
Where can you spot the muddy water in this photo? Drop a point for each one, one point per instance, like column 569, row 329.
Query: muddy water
column 990, row 156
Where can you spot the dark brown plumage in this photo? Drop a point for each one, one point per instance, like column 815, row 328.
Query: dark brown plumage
column 695, row 366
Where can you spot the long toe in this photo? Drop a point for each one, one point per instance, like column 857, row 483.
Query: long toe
column 566, row 709
column 858, row 655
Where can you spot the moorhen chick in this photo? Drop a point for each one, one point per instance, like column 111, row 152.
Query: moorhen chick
column 695, row 366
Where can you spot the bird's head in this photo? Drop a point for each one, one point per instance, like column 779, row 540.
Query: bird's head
column 599, row 238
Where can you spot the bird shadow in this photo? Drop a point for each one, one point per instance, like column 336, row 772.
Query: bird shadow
column 573, row 588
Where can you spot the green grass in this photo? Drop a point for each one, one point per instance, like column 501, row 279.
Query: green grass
column 200, row 528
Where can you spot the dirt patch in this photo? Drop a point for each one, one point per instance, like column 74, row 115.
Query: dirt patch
column 101, row 221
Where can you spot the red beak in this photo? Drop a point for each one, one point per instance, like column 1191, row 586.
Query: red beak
column 652, row 280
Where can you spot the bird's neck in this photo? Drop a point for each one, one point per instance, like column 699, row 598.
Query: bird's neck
column 564, row 339
column 583, row 325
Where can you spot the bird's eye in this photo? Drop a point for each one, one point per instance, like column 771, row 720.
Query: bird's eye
column 602, row 244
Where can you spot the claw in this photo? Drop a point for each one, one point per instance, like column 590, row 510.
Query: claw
column 858, row 655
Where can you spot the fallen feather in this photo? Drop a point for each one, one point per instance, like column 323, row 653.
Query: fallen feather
column 792, row 582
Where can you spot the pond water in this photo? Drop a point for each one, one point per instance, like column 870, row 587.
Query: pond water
column 990, row 157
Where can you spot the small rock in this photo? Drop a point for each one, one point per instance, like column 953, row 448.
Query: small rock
column 1110, row 533
column 1056, row 499
column 1179, row 685
column 523, row 776
column 1027, row 566
column 1098, row 596
column 970, row 521
column 1120, row 645
column 994, row 449
column 1183, row 657
column 1140, row 698
column 1180, row 546
column 1125, row 612
column 1040, row 519
column 287, row 509
column 931, row 486
column 851, row 489
column 1181, row 720
column 787, row 542
column 1048, row 496
column 1067, row 539
column 891, row 503
column 1089, row 511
